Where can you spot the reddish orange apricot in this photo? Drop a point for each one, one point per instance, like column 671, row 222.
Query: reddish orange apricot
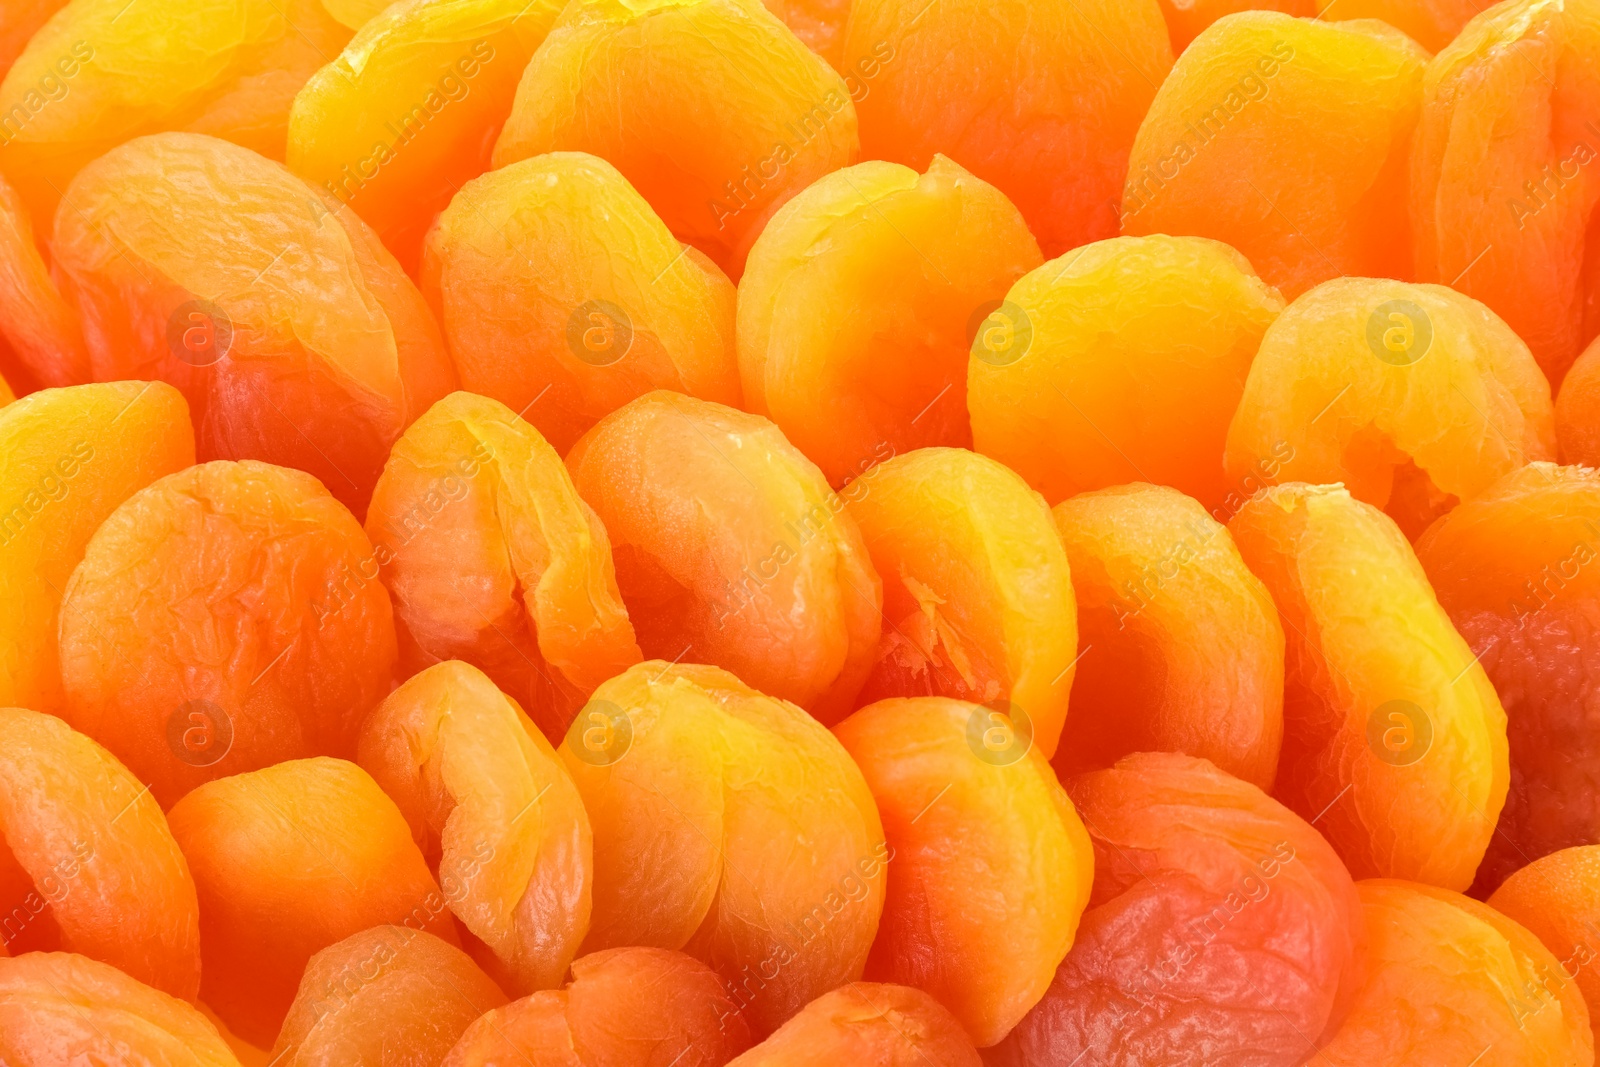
column 494, row 559
column 6, row 393
column 1187, row 18
column 989, row 866
column 289, row 860
column 87, row 861
column 496, row 815
column 192, row 644
column 867, row 1023
column 386, row 995
column 1182, row 647
column 625, row 1007
column 1557, row 899
column 978, row 600
column 41, row 331
column 820, row 26
column 22, row 20
column 1431, row 23
column 730, row 549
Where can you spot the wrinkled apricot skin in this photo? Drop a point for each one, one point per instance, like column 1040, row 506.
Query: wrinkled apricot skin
column 1187, row 18
column 1514, row 568
column 388, row 995
column 978, row 600
column 1394, row 741
column 905, row 262
column 68, row 458
column 711, row 108
column 40, row 330
column 730, row 549
column 496, row 815
column 409, row 111
column 990, row 865
column 1222, row 929
column 625, row 1007
column 730, row 825
column 1120, row 362
column 293, row 334
column 1450, row 980
column 867, row 1023
column 57, row 1007
column 563, row 296
column 1431, row 23
column 1182, row 647
column 196, row 641
column 1041, row 102
column 1578, row 410
column 493, row 558
column 22, row 20
column 289, row 860
column 820, row 26
column 87, row 861
column 1413, row 396
column 1557, row 899
column 1226, row 151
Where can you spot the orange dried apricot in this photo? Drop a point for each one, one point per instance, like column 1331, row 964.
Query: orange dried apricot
column 1413, row 396
column 870, row 1024
column 1394, row 741
column 1182, row 647
column 908, row 261
column 978, row 599
column 293, row 334
column 730, row 549
column 1041, row 101
column 1187, row 18
column 711, row 108
column 1119, row 362
column 819, row 24
column 289, row 860
column 730, row 825
column 389, row 995
column 1451, row 981
column 1513, row 567
column 493, row 558
column 1431, row 23
column 41, row 332
column 989, row 867
column 21, row 20
column 68, row 458
column 87, row 861
column 625, row 1007
column 564, row 296
column 193, row 643
column 1222, row 928
column 6, row 394
column 1578, row 410
column 496, row 815
column 1226, row 150
column 1557, row 899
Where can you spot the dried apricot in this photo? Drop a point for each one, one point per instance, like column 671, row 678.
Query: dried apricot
column 989, row 866
column 625, row 1007
column 1449, row 982
column 907, row 261
column 1187, row 18
column 730, row 825
column 711, row 108
column 819, row 24
column 493, row 558
column 1394, row 741
column 1431, row 23
column 496, row 815
column 1182, row 648
column 22, row 19
column 1578, row 410
column 6, row 395
column 1041, row 101
column 87, row 861
column 389, row 995
column 563, row 296
column 1557, row 898
column 978, row 600
column 1413, row 396
column 193, row 640
column 41, row 332
column 68, row 458
column 294, row 335
column 289, row 860
column 730, row 549
column 1226, row 150
column 410, row 109
column 1222, row 928
column 1119, row 362
column 1513, row 569
column 869, row 1024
